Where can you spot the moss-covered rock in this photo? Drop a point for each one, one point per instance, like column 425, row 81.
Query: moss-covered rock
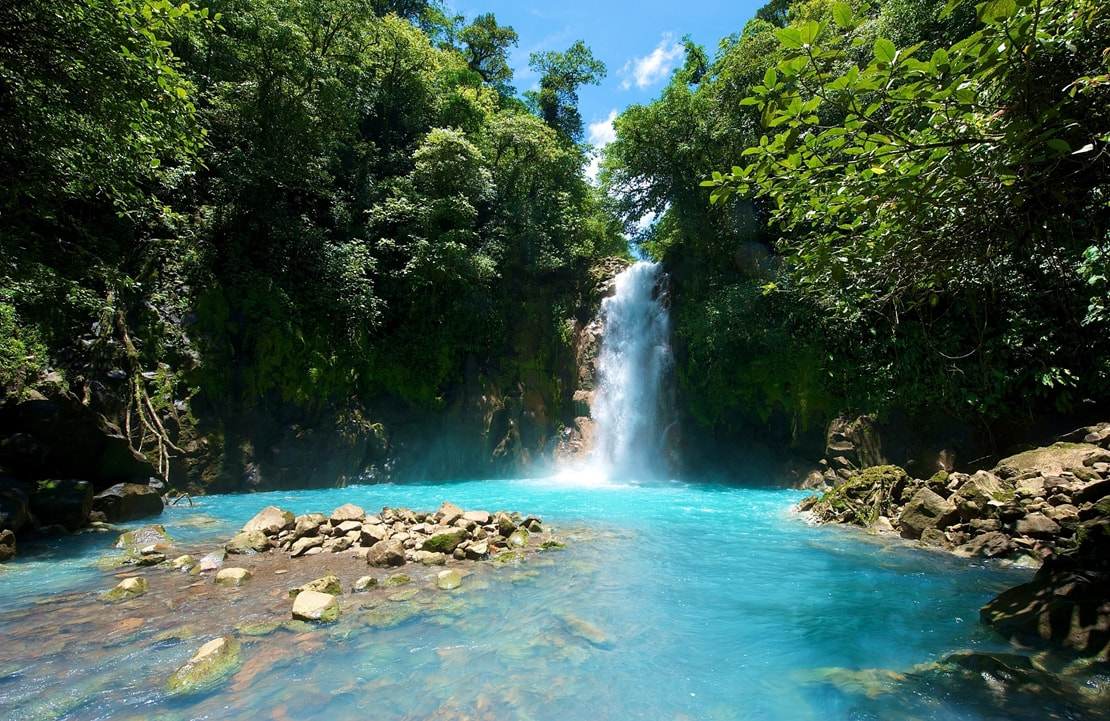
column 213, row 663
column 128, row 588
column 315, row 606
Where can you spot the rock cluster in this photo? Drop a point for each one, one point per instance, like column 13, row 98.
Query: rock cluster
column 394, row 537
column 1014, row 510
column 1050, row 506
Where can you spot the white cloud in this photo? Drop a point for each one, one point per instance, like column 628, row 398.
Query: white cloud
column 649, row 70
column 601, row 134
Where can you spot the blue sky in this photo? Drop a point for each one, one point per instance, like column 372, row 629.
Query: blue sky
column 639, row 42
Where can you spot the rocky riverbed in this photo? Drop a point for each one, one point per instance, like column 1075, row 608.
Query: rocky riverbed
column 1047, row 508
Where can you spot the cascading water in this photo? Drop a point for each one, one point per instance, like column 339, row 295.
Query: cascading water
column 632, row 408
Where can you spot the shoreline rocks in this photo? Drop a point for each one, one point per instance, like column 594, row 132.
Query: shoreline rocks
column 1048, row 507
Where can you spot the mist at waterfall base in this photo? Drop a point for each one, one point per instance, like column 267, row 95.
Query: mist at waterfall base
column 671, row 600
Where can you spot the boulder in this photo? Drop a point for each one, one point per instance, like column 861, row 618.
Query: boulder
column 7, row 545
column 315, row 606
column 248, row 542
column 128, row 588
column 214, row 662
column 386, row 553
column 15, row 504
column 183, row 563
column 233, row 576
column 926, row 510
column 347, row 512
column 128, row 502
column 271, row 520
column 66, row 502
column 477, row 551
column 372, row 533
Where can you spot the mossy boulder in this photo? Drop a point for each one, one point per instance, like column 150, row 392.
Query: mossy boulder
column 248, row 542
column 232, row 576
column 145, row 536
column 213, row 663
column 328, row 584
column 445, row 541
column 448, row 580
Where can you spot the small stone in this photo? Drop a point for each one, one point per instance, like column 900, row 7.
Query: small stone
column 183, row 563
column 364, row 584
column 429, row 558
column 315, row 606
column 373, row 532
column 212, row 561
column 519, row 538
column 309, row 525
column 342, row 544
column 477, row 551
column 447, row 580
column 397, row 579
column 328, row 584
column 508, row 557
column 232, row 576
column 346, row 527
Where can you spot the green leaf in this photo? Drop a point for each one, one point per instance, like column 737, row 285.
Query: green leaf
column 790, row 38
column 1059, row 145
column 842, row 14
column 885, row 50
column 770, row 78
column 810, row 31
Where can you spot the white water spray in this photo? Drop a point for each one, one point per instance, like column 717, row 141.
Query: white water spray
column 632, row 408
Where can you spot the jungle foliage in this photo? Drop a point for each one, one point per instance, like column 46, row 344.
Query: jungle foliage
column 916, row 216
column 283, row 202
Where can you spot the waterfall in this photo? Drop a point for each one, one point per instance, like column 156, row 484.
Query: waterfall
column 632, row 408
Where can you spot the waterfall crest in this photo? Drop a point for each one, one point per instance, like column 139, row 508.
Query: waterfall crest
column 633, row 408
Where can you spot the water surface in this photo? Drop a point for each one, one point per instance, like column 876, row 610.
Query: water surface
column 671, row 601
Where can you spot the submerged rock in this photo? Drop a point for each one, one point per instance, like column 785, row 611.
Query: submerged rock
column 154, row 533
column 214, row 662
column 315, row 606
column 448, row 580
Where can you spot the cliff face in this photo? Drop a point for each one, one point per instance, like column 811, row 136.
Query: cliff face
column 504, row 417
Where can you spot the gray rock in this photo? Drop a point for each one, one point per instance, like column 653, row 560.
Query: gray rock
column 340, row 544
column 271, row 520
column 308, row 525
column 448, row 580
column 386, row 553
column 233, row 576
column 347, row 512
column 345, row 527
column 364, row 584
column 248, row 542
column 448, row 513
column 992, row 544
column 128, row 588
column 328, row 584
column 213, row 663
column 128, row 502
column 144, row 536
column 429, row 558
column 372, row 533
column 444, row 541
column 303, row 545
column 1037, row 525
column 479, row 517
column 926, row 510
column 477, row 551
